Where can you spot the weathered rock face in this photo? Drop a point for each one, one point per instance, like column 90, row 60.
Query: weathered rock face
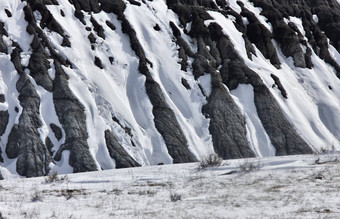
column 227, row 125
column 71, row 115
column 117, row 152
column 23, row 141
column 3, row 32
column 283, row 136
column 261, row 37
column 111, row 83
column 4, row 116
column 289, row 37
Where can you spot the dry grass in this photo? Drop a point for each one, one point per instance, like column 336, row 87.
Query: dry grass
column 212, row 160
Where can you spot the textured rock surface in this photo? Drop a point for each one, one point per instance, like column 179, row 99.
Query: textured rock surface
column 283, row 136
column 117, row 152
column 4, row 116
column 227, row 125
column 286, row 35
column 23, row 141
column 3, row 32
column 71, row 116
column 260, row 36
column 57, row 131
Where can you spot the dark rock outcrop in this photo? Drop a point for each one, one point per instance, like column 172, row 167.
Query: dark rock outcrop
column 227, row 125
column 328, row 13
column 98, row 62
column 282, row 134
column 280, row 86
column 24, row 141
column 38, row 66
column 117, row 152
column 289, row 37
column 71, row 115
column 47, row 19
column 96, row 27
column 4, row 117
column 3, row 32
column 49, row 145
column 86, row 5
column 57, row 131
column 92, row 38
column 259, row 35
column 110, row 25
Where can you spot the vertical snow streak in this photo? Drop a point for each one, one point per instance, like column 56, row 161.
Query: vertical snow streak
column 257, row 135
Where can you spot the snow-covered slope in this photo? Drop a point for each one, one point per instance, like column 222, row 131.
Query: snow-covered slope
column 89, row 85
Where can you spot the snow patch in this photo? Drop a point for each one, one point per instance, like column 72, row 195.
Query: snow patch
column 205, row 82
column 256, row 134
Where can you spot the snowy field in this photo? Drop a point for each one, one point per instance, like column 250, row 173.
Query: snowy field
column 118, row 89
column 278, row 187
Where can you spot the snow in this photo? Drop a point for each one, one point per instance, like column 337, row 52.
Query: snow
column 334, row 53
column 205, row 82
column 229, row 30
column 233, row 4
column 62, row 166
column 276, row 187
column 298, row 22
column 257, row 136
column 16, row 28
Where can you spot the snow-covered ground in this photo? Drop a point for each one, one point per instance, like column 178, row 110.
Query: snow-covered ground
column 277, row 187
column 118, row 89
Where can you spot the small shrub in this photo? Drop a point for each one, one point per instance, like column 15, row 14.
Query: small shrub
column 116, row 191
column 52, row 178
column 55, row 178
column 212, row 160
column 148, row 192
column 157, row 184
column 327, row 150
column 247, row 166
column 174, row 197
column 36, row 197
column 327, row 159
